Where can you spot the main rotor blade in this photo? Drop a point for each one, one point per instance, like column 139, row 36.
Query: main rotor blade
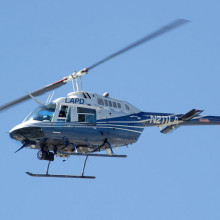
column 35, row 93
column 147, row 38
column 75, row 75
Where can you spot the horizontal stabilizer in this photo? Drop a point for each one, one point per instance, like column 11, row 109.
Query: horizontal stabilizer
column 169, row 129
column 191, row 114
column 186, row 117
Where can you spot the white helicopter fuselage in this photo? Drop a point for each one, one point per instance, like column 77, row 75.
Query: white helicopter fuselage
column 81, row 119
column 84, row 123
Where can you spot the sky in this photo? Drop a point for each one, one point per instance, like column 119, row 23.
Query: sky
column 172, row 176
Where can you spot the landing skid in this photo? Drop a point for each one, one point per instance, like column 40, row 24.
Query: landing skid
column 60, row 176
column 93, row 155
column 75, row 154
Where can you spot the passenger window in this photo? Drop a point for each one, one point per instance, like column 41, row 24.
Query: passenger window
column 106, row 103
column 84, row 95
column 88, row 95
column 114, row 104
column 63, row 113
column 81, row 118
column 100, row 102
column 110, row 103
column 127, row 107
column 119, row 105
column 86, row 115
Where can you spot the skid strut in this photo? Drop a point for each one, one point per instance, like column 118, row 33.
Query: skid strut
column 62, row 176
column 84, row 165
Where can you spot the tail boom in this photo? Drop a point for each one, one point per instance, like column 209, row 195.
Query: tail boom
column 169, row 122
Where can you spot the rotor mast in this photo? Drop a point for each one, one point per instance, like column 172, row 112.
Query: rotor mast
column 74, row 78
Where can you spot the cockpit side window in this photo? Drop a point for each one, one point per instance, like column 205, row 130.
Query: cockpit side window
column 64, row 113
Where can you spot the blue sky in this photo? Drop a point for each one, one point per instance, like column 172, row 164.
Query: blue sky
column 175, row 176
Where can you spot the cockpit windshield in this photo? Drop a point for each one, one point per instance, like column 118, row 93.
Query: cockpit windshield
column 42, row 113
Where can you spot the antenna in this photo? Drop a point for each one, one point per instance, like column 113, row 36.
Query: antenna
column 51, row 96
column 48, row 99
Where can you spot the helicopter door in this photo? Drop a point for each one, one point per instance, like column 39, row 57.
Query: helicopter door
column 86, row 115
column 63, row 117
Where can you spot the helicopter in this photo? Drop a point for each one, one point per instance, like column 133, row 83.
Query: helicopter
column 86, row 124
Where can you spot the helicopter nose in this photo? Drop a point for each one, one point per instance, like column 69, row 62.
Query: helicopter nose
column 22, row 133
